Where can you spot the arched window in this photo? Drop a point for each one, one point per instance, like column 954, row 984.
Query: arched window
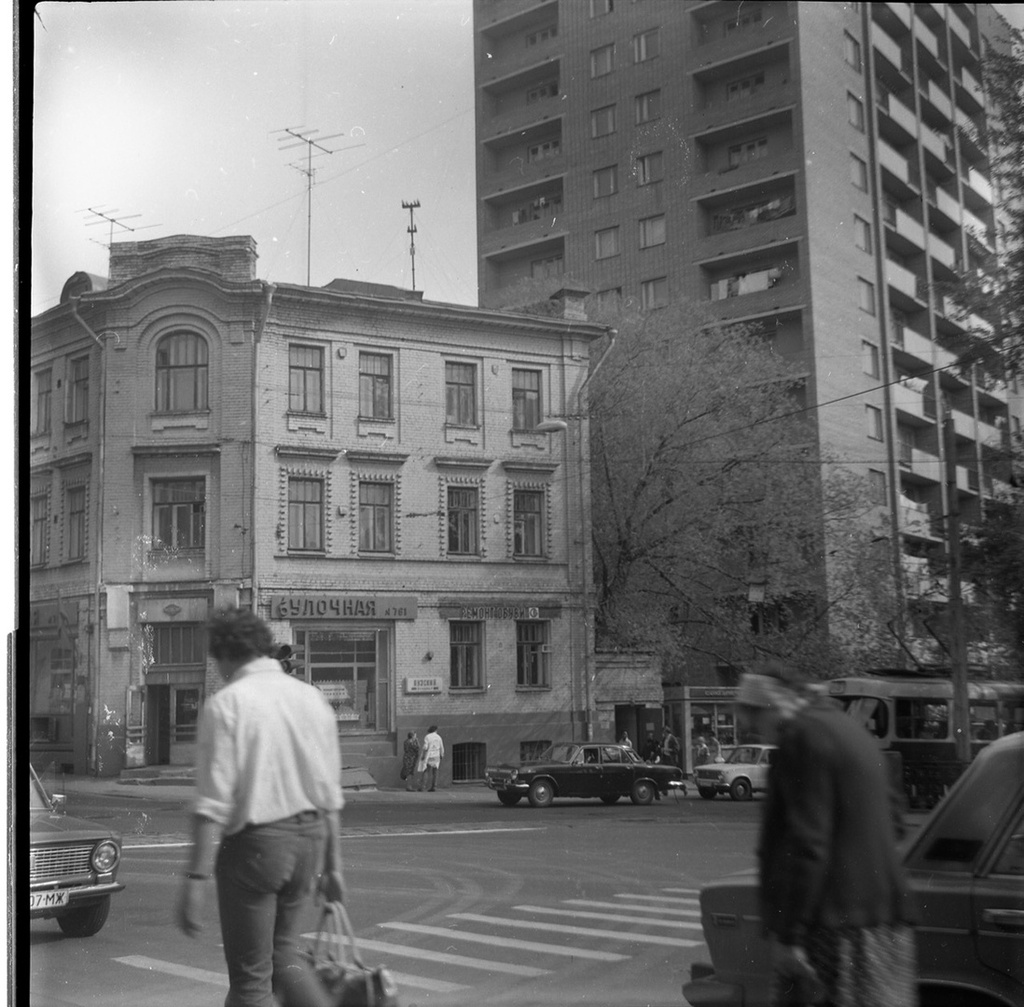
column 182, row 369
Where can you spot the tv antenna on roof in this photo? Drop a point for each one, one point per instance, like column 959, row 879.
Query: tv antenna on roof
column 297, row 136
column 412, row 208
column 107, row 216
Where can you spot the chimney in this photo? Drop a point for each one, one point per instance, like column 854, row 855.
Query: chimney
column 569, row 303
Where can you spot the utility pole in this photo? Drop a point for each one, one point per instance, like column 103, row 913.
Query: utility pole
column 412, row 208
column 957, row 629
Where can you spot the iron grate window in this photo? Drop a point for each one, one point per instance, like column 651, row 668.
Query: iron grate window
column 469, row 758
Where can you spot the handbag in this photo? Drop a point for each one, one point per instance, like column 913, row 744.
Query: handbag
column 404, row 774
column 347, row 980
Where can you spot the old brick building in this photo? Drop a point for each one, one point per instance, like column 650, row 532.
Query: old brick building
column 360, row 465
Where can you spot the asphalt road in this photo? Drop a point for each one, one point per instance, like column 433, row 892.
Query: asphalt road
column 465, row 901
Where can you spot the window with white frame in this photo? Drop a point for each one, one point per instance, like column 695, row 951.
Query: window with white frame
column 650, row 168
column 465, row 648
column 460, row 394
column 526, row 404
column 602, row 60
column 463, row 520
column 76, row 522
column 606, row 181
column 376, row 517
column 182, row 373
column 375, row 386
column 39, row 516
column 606, row 242
column 862, row 233
column 744, row 87
column 874, row 421
column 747, row 151
column 645, row 45
column 43, row 401
column 602, row 121
column 648, row 106
column 654, row 293
column 652, row 231
column 306, row 379
column 532, row 654
column 855, row 112
column 78, row 390
column 528, row 523
column 866, row 295
column 179, row 514
column 305, row 514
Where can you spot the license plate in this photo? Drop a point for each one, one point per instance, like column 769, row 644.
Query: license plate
column 47, row 900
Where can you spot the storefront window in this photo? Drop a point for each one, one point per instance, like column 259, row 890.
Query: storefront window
column 186, row 713
column 349, row 668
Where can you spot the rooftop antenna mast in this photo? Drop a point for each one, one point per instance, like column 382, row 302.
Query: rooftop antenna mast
column 296, row 137
column 106, row 216
column 412, row 208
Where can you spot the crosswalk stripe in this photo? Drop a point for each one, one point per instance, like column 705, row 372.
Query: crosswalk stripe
column 611, row 917
column 506, row 942
column 622, row 935
column 442, row 958
column 658, row 898
column 682, row 891
column 591, row 904
column 171, row 969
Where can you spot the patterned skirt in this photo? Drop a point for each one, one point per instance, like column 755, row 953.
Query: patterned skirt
column 856, row 967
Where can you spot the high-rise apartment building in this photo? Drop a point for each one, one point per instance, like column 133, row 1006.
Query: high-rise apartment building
column 818, row 169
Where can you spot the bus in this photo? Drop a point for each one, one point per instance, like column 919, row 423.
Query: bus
column 912, row 715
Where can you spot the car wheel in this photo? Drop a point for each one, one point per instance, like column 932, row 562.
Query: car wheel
column 541, row 793
column 740, row 790
column 708, row 793
column 509, row 800
column 86, row 921
column 642, row 792
column 610, row 798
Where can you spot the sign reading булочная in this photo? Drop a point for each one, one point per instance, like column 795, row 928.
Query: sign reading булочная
column 342, row 606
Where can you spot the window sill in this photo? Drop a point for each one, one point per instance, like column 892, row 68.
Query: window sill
column 533, row 688
column 463, row 689
column 530, row 559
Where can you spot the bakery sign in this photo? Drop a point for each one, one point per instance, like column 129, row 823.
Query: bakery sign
column 342, row 606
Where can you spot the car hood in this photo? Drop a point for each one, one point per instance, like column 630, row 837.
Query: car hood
column 48, row 827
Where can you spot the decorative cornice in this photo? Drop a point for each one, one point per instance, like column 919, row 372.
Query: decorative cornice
column 376, row 457
column 199, row 448
column 457, row 462
column 306, row 451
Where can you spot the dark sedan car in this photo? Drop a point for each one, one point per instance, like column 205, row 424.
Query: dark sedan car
column 573, row 769
column 966, row 866
column 72, row 866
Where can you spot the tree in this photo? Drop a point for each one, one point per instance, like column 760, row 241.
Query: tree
column 716, row 538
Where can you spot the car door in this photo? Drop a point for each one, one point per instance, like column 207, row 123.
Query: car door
column 998, row 904
column 617, row 772
column 583, row 777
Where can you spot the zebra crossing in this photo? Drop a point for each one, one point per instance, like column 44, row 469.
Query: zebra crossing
column 431, row 962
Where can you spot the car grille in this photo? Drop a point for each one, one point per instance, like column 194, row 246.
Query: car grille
column 49, row 862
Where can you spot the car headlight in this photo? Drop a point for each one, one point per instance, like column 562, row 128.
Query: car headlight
column 105, row 857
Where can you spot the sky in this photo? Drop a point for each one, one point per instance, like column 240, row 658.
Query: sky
column 167, row 117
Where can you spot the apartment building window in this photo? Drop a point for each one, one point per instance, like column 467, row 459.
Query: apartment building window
column 645, row 45
column 542, row 151
column 541, row 35
column 742, row 22
column 606, row 181
column 376, row 518
column 598, row 8
column 858, row 173
column 602, row 60
column 78, row 390
column 526, row 411
column 44, row 401
column 463, row 521
column 851, row 51
column 855, row 112
column 182, row 373
column 866, row 296
column 745, row 87
column 606, row 243
column 746, row 283
column 547, row 89
column 749, row 150
column 76, row 522
column 654, row 293
column 39, row 515
column 876, row 487
column 528, row 523
column 650, row 168
column 652, row 231
column 306, row 379
column 872, row 364
column 532, row 652
column 874, row 421
column 602, row 121
column 609, row 299
column 551, row 265
column 465, row 649
column 305, row 514
column 375, row 385
column 460, row 394
column 862, row 234
column 648, row 106
column 179, row 514
column 737, row 217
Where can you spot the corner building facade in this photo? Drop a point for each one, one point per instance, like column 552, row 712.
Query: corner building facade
column 815, row 170
column 360, row 466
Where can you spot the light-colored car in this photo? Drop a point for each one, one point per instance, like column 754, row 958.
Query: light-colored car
column 966, row 868
column 744, row 773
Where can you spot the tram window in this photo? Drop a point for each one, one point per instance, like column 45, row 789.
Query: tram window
column 922, row 719
column 872, row 713
column 984, row 722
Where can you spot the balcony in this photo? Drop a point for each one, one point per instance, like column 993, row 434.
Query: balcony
column 888, row 48
column 918, row 349
column 923, row 465
column 967, row 481
column 939, row 100
column 978, row 187
column 914, row 401
column 894, row 16
column 977, row 229
column 919, row 580
column 928, row 39
column 904, row 283
column 960, row 30
column 938, row 149
column 894, row 163
column 947, row 205
column 944, row 255
column 904, row 233
column 916, row 520
column 900, row 115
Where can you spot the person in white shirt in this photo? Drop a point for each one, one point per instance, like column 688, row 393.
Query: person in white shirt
column 430, row 757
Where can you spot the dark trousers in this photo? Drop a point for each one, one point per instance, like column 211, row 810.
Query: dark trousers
column 265, row 875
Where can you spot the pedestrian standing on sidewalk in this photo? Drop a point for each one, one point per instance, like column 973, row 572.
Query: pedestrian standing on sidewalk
column 265, row 823
column 430, row 757
column 410, row 756
column 669, row 747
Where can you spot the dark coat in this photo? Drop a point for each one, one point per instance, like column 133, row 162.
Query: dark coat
column 828, row 837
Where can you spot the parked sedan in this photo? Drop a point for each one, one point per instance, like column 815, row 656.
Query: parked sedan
column 72, row 865
column 966, row 866
column 744, row 773
column 572, row 769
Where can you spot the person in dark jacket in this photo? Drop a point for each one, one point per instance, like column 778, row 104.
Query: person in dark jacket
column 833, row 894
column 410, row 756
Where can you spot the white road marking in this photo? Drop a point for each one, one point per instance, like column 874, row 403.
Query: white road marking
column 622, row 935
column 659, row 898
column 443, row 958
column 438, row 832
column 664, row 910
column 172, row 969
column 611, row 917
column 422, row 983
column 682, row 891
column 507, row 942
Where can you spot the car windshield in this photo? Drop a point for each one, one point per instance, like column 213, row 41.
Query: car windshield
column 562, row 752
column 37, row 796
column 745, row 754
